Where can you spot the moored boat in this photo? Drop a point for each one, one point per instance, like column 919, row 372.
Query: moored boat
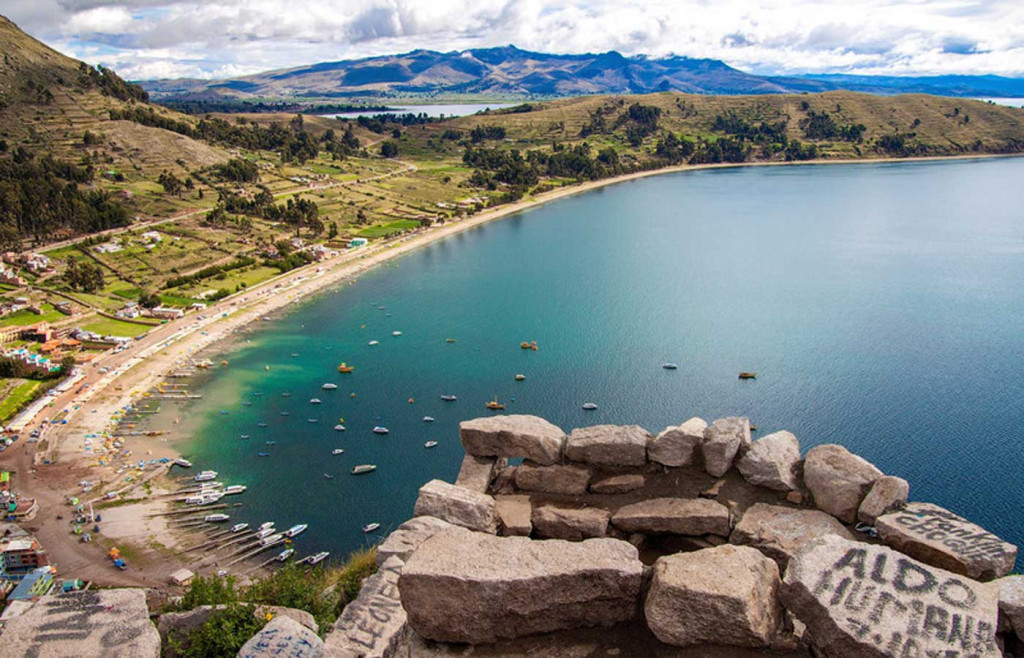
column 234, row 489
column 328, row 476
column 271, row 539
column 329, row 386
column 396, row 333
column 448, row 398
column 184, row 463
column 239, row 527
column 206, row 475
column 370, row 527
column 285, row 554
column 295, row 530
column 339, row 428
column 430, row 444
column 314, row 400
column 428, row 419
column 319, row 557
column 345, row 368
column 337, row 451
column 748, row 375
column 589, row 406
column 262, row 454
column 373, row 342
column 494, row 405
column 449, row 340
column 380, row 429
column 216, row 518
column 363, row 468
column 245, row 437
column 670, row 366
column 520, row 378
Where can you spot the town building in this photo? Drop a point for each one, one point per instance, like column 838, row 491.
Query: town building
column 35, row 584
column 20, row 557
column 165, row 313
column 358, row 242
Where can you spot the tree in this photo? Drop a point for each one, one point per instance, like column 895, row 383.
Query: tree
column 389, row 149
column 87, row 277
column 332, row 230
column 171, row 183
column 149, row 300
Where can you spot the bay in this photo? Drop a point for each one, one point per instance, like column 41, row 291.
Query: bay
column 880, row 304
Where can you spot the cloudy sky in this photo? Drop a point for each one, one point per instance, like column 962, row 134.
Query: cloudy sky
column 220, row 38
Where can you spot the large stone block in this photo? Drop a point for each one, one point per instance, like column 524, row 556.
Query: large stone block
column 1011, row 602
column 677, row 446
column 462, row 586
column 283, row 637
column 617, row 484
column 724, row 439
column 513, row 436
column 838, row 480
column 861, row 600
column 887, row 494
column 678, row 516
column 940, row 538
column 407, row 537
column 515, row 513
column 476, row 473
column 469, row 509
column 573, row 524
column 772, row 462
column 566, row 479
column 724, row 596
column 374, row 625
column 608, row 445
column 779, row 532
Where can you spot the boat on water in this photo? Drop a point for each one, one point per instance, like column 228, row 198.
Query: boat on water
column 285, row 554
column 265, row 525
column 520, row 378
column 494, row 405
column 224, row 412
column 216, row 518
column 239, row 527
column 234, row 489
column 448, row 398
column 428, row 419
column 345, row 368
column 363, row 468
column 318, row 558
column 329, row 386
column 206, row 475
column 748, row 375
column 261, row 425
column 270, row 443
column 285, row 413
column 247, row 403
column 670, row 366
column 295, row 530
column 311, row 420
column 314, row 400
column 286, row 394
column 430, row 444
column 380, row 429
column 370, row 527
column 244, row 437
column 532, row 345
column 328, row 476
column 262, row 454
column 449, row 340
column 294, row 354
column 589, row 406
column 184, row 463
column 339, row 428
column 269, row 540
column 337, row 451
column 396, row 333
column 373, row 342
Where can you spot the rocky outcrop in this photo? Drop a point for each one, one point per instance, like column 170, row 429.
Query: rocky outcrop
column 608, row 445
column 283, row 636
column 374, row 625
column 724, row 439
column 617, row 484
column 942, row 539
column 838, row 479
column 573, row 524
column 1011, row 602
column 476, row 473
column 677, row 446
column 887, row 494
column 678, row 516
column 462, row 586
column 515, row 513
column 107, row 622
column 772, row 462
column 779, row 532
column 864, row 600
column 567, row 479
column 725, row 595
column 513, row 436
column 469, row 509
column 175, row 627
column 407, row 537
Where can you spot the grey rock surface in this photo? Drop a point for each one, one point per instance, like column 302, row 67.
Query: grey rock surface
column 476, row 473
column 888, row 494
column 407, row 537
column 779, row 532
column 616, row 484
column 513, row 436
column 772, row 462
column 462, row 507
column 375, row 624
column 679, row 516
column 574, row 524
column 515, row 513
column 677, row 446
column 838, row 479
column 567, row 479
column 1011, row 601
column 608, row 445
column 724, row 440
column 285, row 638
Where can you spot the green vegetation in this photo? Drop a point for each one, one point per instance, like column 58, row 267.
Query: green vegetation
column 109, row 327
column 26, row 317
column 16, row 394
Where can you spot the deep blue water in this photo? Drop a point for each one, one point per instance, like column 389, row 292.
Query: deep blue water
column 882, row 306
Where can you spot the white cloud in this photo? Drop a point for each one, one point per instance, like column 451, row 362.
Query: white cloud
column 145, row 38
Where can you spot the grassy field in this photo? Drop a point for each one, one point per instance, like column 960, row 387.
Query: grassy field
column 26, row 317
column 108, row 327
column 16, row 393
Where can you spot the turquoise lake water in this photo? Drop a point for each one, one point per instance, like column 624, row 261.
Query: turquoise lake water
column 882, row 306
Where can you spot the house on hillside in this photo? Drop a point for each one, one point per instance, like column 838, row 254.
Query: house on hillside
column 10, row 277
column 35, row 584
column 165, row 313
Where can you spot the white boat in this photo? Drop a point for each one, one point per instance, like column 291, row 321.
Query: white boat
column 265, row 525
column 428, row 419
column 234, row 489
column 670, row 366
column 337, row 451
column 373, row 342
column 328, row 476
column 319, row 557
column 295, row 530
column 363, row 468
column 209, row 486
column 396, row 333
column 271, row 539
column 329, row 387
column 430, row 444
column 184, row 463
column 285, row 554
column 314, row 401
column 206, row 475
column 216, row 518
column 239, row 527
column 589, row 406
column 265, row 532
column 370, row 527
column 339, row 428
column 380, row 429
column 448, row 398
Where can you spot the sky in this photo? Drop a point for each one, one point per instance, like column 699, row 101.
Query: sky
column 146, row 39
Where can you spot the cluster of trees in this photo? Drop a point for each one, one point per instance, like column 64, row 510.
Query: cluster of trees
column 821, row 125
column 382, row 123
column 347, row 145
column 111, row 84
column 84, row 276
column 899, row 144
column 299, row 213
column 149, row 299
column 723, row 149
column 640, row 121
column 675, row 149
column 770, row 137
column 206, row 106
column 239, row 170
column 172, row 184
column 40, row 196
column 288, row 259
column 762, row 133
column 482, row 133
column 209, row 272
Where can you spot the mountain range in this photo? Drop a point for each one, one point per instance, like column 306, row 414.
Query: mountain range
column 511, row 72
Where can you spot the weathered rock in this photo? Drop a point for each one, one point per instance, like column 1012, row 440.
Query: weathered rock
column 568, row 479
column 726, row 595
column 374, row 625
column 795, row 497
column 779, row 532
column 107, row 622
column 864, row 600
column 772, row 462
column 887, row 494
column 616, row 484
column 513, row 436
column 838, row 480
column 176, row 626
column 469, row 509
column 573, row 524
column 462, row 586
column 724, row 439
column 283, row 636
column 407, row 537
column 676, row 446
column 680, row 516
column 1011, row 601
column 504, row 481
column 608, row 445
column 712, row 490
column 942, row 539
column 476, row 473
column 515, row 513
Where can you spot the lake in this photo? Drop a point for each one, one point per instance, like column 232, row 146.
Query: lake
column 881, row 305
column 449, row 110
column 1011, row 102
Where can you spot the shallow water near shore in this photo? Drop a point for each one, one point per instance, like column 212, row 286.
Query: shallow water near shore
column 880, row 304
